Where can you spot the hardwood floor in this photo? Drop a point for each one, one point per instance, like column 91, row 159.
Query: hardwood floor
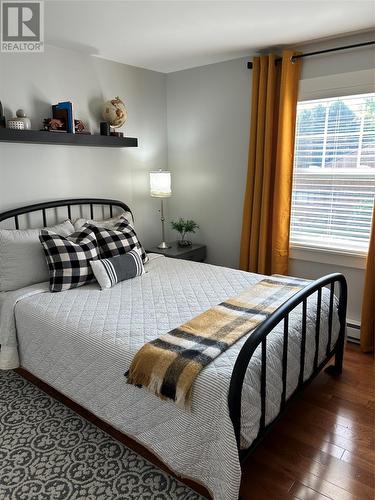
column 323, row 448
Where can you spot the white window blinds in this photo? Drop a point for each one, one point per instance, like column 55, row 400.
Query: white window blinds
column 334, row 173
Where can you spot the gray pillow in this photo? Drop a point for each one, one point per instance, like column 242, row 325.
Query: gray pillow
column 109, row 272
column 22, row 261
column 106, row 223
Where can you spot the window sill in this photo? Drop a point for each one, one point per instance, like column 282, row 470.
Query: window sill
column 353, row 259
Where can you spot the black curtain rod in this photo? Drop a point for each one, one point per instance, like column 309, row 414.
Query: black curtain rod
column 326, row 51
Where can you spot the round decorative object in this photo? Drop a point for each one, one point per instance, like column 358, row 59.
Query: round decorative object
column 114, row 112
column 21, row 116
column 16, row 124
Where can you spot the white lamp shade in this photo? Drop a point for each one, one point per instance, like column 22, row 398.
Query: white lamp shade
column 160, row 184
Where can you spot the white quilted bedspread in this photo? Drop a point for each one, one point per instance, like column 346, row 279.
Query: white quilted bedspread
column 82, row 341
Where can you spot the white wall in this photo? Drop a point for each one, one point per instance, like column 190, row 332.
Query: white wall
column 208, row 129
column 32, row 173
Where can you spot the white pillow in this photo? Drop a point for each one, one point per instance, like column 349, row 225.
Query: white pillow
column 106, row 223
column 22, row 261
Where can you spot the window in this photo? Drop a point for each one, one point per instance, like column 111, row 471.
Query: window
column 334, row 173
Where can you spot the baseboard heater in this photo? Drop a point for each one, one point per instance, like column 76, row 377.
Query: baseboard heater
column 353, row 331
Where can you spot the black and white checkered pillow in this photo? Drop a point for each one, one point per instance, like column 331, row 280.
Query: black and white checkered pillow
column 68, row 258
column 117, row 241
column 125, row 226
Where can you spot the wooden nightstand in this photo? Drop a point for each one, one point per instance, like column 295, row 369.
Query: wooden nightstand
column 194, row 252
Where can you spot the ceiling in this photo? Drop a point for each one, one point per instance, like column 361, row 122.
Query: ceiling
column 173, row 35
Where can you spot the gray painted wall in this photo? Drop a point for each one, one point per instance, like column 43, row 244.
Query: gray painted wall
column 32, row 173
column 204, row 112
column 208, row 129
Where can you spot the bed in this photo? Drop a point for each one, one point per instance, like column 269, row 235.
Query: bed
column 81, row 341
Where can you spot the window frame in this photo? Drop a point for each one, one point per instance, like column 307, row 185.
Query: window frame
column 327, row 87
column 356, row 260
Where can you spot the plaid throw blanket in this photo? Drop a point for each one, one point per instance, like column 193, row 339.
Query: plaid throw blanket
column 168, row 366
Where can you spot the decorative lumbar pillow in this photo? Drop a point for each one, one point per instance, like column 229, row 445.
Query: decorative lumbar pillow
column 107, row 223
column 22, row 262
column 69, row 258
column 122, row 239
column 108, row 272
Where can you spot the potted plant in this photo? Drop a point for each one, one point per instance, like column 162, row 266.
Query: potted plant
column 184, row 227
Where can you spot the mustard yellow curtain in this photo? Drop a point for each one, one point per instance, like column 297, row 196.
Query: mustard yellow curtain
column 368, row 303
column 268, row 192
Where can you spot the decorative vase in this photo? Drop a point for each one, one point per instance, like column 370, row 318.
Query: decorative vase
column 184, row 243
column 21, row 116
column 20, row 122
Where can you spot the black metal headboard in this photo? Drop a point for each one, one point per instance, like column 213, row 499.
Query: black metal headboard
column 43, row 207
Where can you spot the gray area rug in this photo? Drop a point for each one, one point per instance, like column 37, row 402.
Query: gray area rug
column 49, row 452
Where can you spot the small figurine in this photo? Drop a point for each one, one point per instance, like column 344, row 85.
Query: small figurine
column 78, row 126
column 53, row 124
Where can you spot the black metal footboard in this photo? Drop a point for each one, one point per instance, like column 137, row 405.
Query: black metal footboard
column 259, row 337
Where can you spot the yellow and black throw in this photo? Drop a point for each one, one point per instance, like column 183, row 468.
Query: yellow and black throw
column 169, row 365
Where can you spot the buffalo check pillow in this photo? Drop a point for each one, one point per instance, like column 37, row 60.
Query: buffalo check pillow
column 68, row 258
column 117, row 241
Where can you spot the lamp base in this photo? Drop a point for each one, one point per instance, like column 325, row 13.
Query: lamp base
column 164, row 245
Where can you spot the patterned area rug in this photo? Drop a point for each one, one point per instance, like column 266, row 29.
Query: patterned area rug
column 48, row 452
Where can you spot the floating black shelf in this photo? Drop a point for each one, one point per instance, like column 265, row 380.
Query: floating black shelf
column 42, row 137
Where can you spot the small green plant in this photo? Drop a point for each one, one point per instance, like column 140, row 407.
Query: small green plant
column 184, row 227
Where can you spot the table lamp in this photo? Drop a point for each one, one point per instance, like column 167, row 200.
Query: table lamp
column 160, row 187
